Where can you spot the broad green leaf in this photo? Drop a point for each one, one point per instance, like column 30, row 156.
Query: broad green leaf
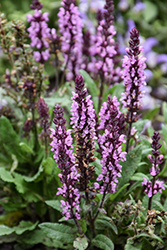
column 103, row 242
column 54, row 204
column 58, row 231
column 130, row 245
column 91, row 86
column 4, row 230
column 150, row 12
column 48, row 165
column 151, row 114
column 25, row 147
column 80, row 243
column 89, row 83
column 38, row 236
column 6, row 175
column 101, row 223
column 25, row 226
column 130, row 165
column 97, row 166
column 145, row 200
column 138, row 177
column 164, row 111
column 9, row 140
column 149, row 236
column 164, row 132
column 37, row 177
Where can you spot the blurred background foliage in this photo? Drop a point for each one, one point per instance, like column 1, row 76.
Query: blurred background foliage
column 149, row 17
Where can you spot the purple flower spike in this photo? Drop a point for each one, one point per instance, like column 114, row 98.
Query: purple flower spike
column 113, row 124
column 133, row 75
column 134, row 81
column 105, row 45
column 39, row 32
column 154, row 186
column 84, row 124
column 70, row 26
column 61, row 145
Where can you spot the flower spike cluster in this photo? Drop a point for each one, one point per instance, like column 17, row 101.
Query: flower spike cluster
column 105, row 45
column 133, row 76
column 113, row 123
column 70, row 26
column 84, row 124
column 61, row 145
column 43, row 111
column 154, row 186
column 39, row 32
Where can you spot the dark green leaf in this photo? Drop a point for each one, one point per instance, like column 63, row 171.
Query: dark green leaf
column 58, row 231
column 103, row 242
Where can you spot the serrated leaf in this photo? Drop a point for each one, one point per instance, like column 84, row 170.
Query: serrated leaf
column 38, row 236
column 54, row 204
column 25, row 226
column 103, row 242
column 37, row 177
column 58, row 231
column 6, row 175
column 130, row 165
column 80, row 243
column 4, row 230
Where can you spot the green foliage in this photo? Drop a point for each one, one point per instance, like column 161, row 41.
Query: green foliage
column 103, row 242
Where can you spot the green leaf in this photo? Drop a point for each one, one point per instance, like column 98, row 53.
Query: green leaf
column 164, row 111
column 104, row 221
column 150, row 12
column 164, row 132
column 48, row 165
column 151, row 114
column 116, row 194
column 103, row 242
column 54, row 204
column 164, row 171
column 138, row 177
column 9, row 141
column 91, row 86
column 130, row 245
column 25, row 226
column 25, row 148
column 6, row 175
column 4, row 230
column 57, row 231
column 37, row 177
column 97, row 166
column 80, row 243
column 38, row 236
column 129, row 167
column 149, row 236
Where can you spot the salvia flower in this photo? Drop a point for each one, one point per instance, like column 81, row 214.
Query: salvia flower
column 133, row 76
column 154, row 186
column 83, row 121
column 113, row 123
column 43, row 111
column 105, row 44
column 134, row 81
column 63, row 155
column 70, row 26
column 39, row 32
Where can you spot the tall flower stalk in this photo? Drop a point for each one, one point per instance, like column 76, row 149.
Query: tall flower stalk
column 39, row 32
column 84, row 125
column 63, row 155
column 105, row 47
column 113, row 124
column 134, row 81
column 154, row 186
column 70, row 26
